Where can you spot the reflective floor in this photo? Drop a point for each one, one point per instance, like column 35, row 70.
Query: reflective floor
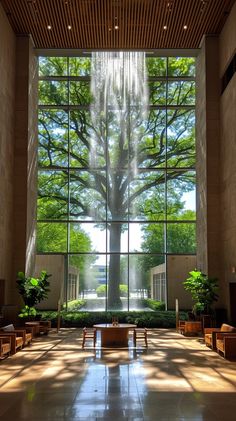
column 176, row 378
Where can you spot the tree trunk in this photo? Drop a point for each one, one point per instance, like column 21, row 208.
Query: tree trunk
column 114, row 301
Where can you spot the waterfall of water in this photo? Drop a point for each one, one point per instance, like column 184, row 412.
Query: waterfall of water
column 118, row 119
column 119, row 87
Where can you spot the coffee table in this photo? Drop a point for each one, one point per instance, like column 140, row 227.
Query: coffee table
column 114, row 336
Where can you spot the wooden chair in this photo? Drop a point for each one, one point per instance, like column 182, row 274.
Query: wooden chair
column 5, row 346
column 25, row 332
column 88, row 334
column 211, row 332
column 140, row 334
column 181, row 327
column 17, row 340
column 226, row 344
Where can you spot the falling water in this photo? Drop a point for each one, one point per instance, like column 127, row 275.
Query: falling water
column 118, row 85
column 118, row 114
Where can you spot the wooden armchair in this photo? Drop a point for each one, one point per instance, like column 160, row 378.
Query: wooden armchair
column 23, row 336
column 5, row 346
column 211, row 332
column 27, row 334
column 226, row 344
column 17, row 340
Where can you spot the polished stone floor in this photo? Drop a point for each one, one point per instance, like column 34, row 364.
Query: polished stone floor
column 176, row 378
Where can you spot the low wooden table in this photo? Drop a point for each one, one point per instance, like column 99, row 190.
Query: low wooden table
column 190, row 327
column 114, row 336
column 35, row 326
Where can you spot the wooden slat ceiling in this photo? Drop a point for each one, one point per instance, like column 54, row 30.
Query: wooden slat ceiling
column 117, row 24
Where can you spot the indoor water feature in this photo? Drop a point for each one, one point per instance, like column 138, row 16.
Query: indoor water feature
column 119, row 108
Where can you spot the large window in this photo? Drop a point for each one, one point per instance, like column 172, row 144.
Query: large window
column 116, row 195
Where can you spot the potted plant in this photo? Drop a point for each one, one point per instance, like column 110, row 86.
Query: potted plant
column 203, row 290
column 33, row 290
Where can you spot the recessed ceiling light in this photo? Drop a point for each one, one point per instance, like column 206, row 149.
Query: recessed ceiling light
column 165, row 27
column 116, row 27
column 49, row 27
column 69, row 27
column 185, row 27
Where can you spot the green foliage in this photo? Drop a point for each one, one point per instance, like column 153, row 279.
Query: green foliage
column 52, row 237
column 101, row 290
column 154, row 304
column 123, row 290
column 27, row 312
column 32, row 290
column 74, row 305
column 203, row 290
column 151, row 319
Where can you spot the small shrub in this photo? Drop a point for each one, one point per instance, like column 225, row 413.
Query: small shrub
column 101, row 291
column 123, row 290
column 155, row 305
column 75, row 305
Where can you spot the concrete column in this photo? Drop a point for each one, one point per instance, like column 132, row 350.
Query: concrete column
column 208, row 158
column 227, row 50
column 25, row 159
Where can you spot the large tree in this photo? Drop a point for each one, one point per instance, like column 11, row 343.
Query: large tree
column 106, row 172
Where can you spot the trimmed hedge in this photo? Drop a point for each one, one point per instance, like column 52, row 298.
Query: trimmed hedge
column 75, row 305
column 158, row 319
column 154, row 304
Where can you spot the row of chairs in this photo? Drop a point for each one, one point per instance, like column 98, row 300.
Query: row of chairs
column 90, row 334
column 13, row 339
column 221, row 339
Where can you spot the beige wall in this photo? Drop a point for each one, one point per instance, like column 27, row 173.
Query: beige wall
column 216, row 160
column 55, row 266
column 227, row 41
column 7, row 116
column 178, row 268
column 227, row 49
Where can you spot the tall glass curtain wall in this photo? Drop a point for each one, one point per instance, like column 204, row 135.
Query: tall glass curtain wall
column 116, row 186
